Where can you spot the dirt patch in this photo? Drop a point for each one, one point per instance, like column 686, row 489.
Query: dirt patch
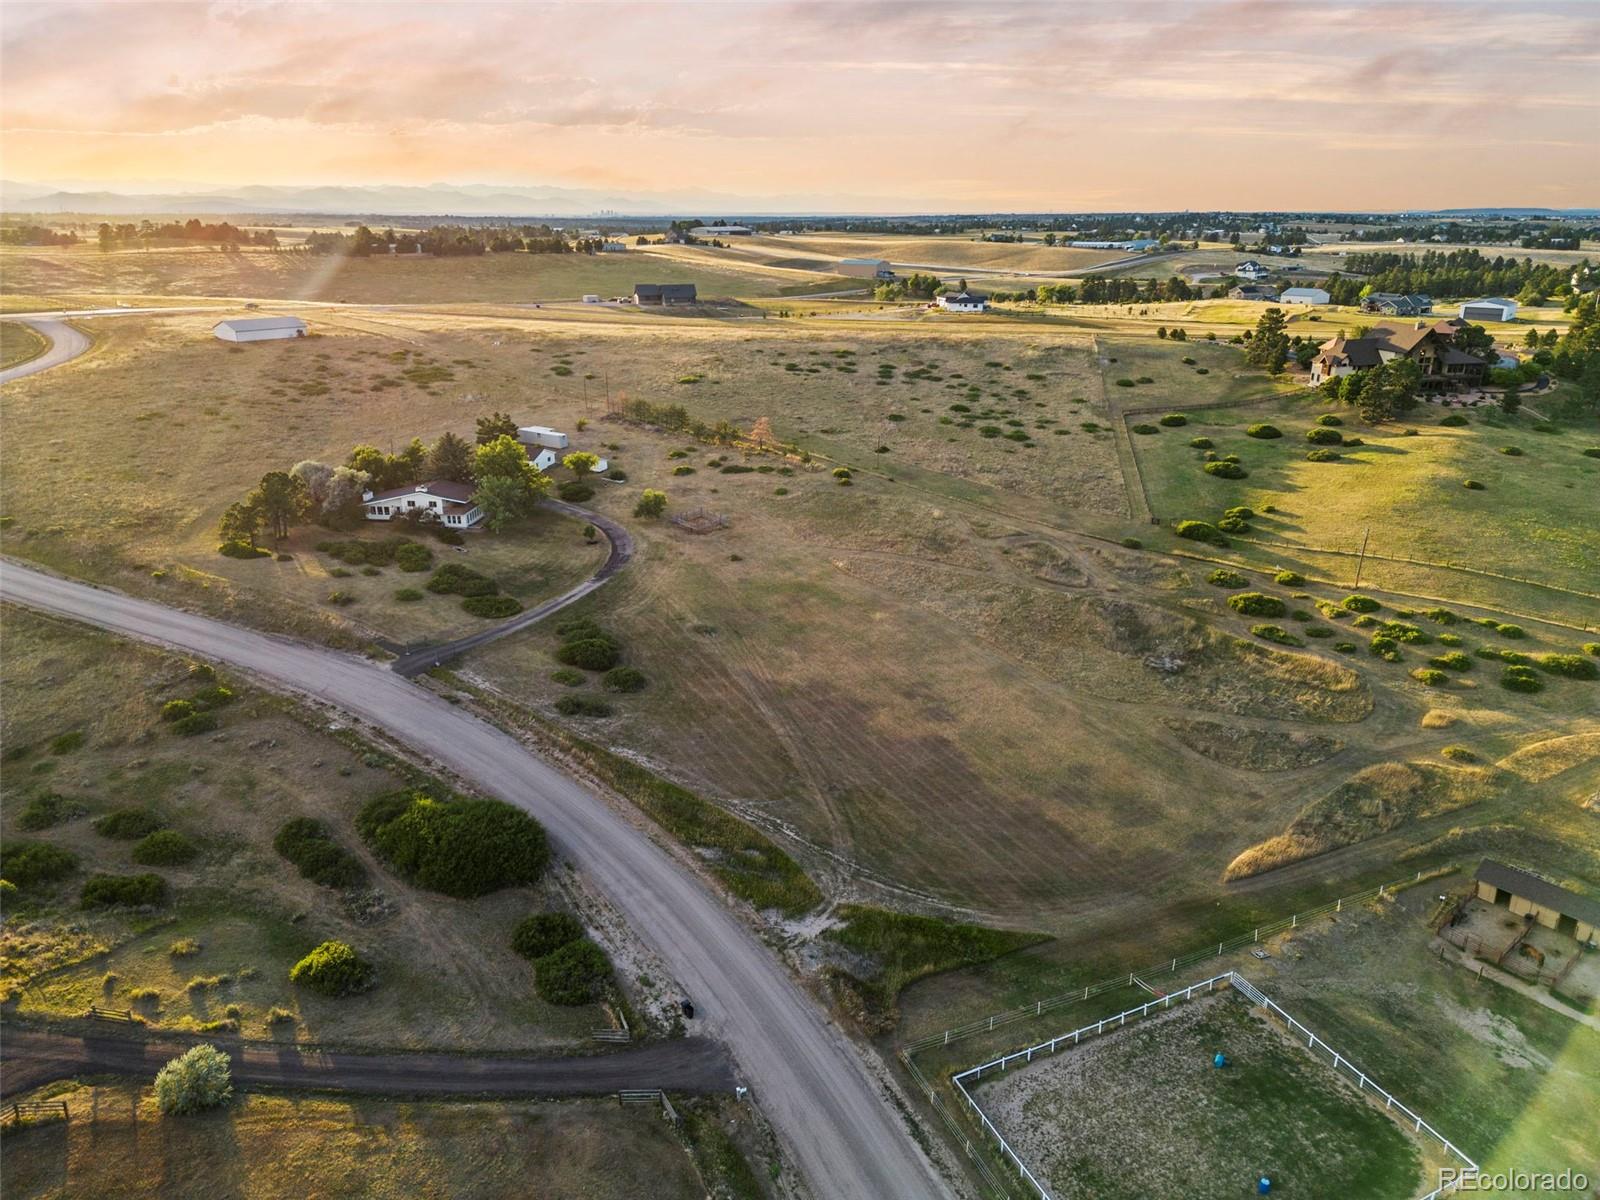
column 1255, row 749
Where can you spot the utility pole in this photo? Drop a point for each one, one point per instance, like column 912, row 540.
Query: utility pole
column 1361, row 561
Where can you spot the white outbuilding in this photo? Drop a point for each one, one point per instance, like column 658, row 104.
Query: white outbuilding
column 1305, row 295
column 542, row 435
column 259, row 329
column 1491, row 308
column 964, row 302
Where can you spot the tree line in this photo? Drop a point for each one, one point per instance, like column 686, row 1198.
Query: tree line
column 1450, row 273
column 222, row 233
column 452, row 241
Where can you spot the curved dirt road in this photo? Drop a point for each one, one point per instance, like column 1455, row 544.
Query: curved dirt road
column 846, row 1136
column 35, row 1057
column 66, row 343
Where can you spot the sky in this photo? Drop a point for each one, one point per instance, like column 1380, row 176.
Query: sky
column 874, row 105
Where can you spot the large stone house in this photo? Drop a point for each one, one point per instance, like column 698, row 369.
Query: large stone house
column 1430, row 345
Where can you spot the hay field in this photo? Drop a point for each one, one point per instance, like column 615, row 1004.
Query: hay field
column 446, row 974
column 1142, row 1111
column 954, row 252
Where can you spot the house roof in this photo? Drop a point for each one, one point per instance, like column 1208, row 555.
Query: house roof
column 864, row 262
column 445, row 489
column 1247, row 291
column 249, row 324
column 1541, row 891
column 1501, row 301
column 665, row 291
column 965, row 298
column 1358, row 352
column 1303, row 291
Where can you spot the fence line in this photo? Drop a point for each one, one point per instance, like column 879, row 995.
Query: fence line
column 1341, row 1064
column 1165, row 967
column 936, row 1101
column 35, row 1110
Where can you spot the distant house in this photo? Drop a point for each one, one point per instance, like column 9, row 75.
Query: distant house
column 1444, row 366
column 1392, row 304
column 865, row 268
column 1134, row 244
column 1251, row 270
column 1536, row 899
column 259, row 329
column 663, row 293
column 1304, row 295
column 1254, row 291
column 437, row 500
column 542, row 435
column 609, row 247
column 1493, row 308
column 711, row 231
column 965, row 302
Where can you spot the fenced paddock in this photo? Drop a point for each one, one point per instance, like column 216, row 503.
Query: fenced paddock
column 1158, row 1087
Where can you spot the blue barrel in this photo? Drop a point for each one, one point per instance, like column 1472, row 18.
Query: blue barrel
column 1221, row 1060
column 1263, row 1186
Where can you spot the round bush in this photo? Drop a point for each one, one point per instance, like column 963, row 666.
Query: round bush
column 1239, row 512
column 215, row 696
column 200, row 722
column 125, row 891
column 1430, row 676
column 1276, row 633
column 492, row 606
column 1173, row 420
column 450, row 537
column 1472, row 485
column 1132, row 543
column 1201, row 443
column 408, row 595
column 575, row 491
column 461, row 847
column 1124, row 383
column 127, row 824
column 1385, row 647
column 453, row 578
column 1572, row 666
column 1224, row 578
column 164, row 848
column 1511, row 631
column 1330, row 419
column 413, row 556
column 624, row 679
column 574, row 974
column 1263, row 430
column 1361, row 604
column 590, row 653
column 582, row 706
column 333, row 969
column 1289, row 578
column 567, row 677
column 196, row 1080
column 1452, row 661
column 1323, row 436
column 1145, row 429
column 1200, row 531
column 1322, row 454
column 1233, row 525
column 544, row 933
column 1511, row 451
column 1346, row 647
column 1257, row 604
column 307, row 843
column 1225, row 470
column 1520, row 679
column 28, row 864
column 176, row 710
column 1592, row 648
column 1591, row 452
column 1454, row 420
column 242, row 550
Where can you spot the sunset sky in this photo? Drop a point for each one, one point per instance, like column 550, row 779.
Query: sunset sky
column 887, row 106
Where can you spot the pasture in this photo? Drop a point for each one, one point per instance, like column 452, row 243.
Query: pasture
column 820, row 251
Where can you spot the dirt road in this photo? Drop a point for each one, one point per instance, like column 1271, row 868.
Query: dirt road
column 35, row 1057
column 845, row 1134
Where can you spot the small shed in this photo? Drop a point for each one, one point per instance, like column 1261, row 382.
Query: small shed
column 259, row 329
column 1528, row 895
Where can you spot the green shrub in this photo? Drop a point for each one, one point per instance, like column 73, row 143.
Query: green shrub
column 1453, row 661
column 575, row 491
column 617, row 475
column 1365, row 622
column 1145, row 429
column 1430, row 676
column 682, row 469
column 1225, row 470
column 164, row 848
column 242, row 550
column 450, row 537
column 1452, row 639
column 176, row 710
column 67, row 742
column 1346, row 647
column 582, row 706
column 307, row 843
column 215, row 696
column 1241, row 512
column 414, row 556
column 1511, row 451
column 1201, row 443
column 340, row 598
column 1401, row 632
column 127, row 824
column 1224, row 578
column 1511, row 631
column 126, row 891
column 1459, row 754
column 572, row 628
column 199, row 1079
column 1257, row 604
column 1472, row 485
column 1263, row 430
column 652, row 503
column 1124, row 383
column 1572, row 666
column 184, row 948
column 1385, row 648
column 333, row 969
column 577, row 973
column 567, row 677
column 1132, row 543
column 1324, row 436
column 624, row 679
column 1322, row 455
column 1546, row 427
column 28, row 864
column 544, row 933
column 1520, row 679
column 1329, row 419
column 1276, row 633
column 455, row 579
column 492, row 606
column 1317, row 631
column 591, row 653
column 370, row 571
column 1173, row 420
column 1200, row 531
column 461, row 847
column 408, row 595
column 1591, row 452
column 1289, row 578
column 1454, row 420
column 198, row 723
column 47, row 809
column 1441, row 616
column 1361, row 604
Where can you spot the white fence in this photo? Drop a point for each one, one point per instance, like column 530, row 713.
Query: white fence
column 1244, row 987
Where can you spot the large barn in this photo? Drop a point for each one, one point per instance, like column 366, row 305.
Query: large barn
column 1526, row 895
column 1491, row 308
column 259, row 329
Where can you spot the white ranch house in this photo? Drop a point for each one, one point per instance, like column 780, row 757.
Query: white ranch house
column 1252, row 270
column 444, row 501
column 964, row 302
column 259, row 329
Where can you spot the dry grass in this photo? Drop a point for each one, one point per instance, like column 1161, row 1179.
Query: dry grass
column 19, row 343
column 821, row 251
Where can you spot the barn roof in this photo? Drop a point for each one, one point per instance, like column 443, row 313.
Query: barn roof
column 865, row 262
column 1541, row 891
column 254, row 324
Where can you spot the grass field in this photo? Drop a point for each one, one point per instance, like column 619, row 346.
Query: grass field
column 447, row 975
column 1142, row 1111
column 820, row 251
column 266, row 1147
column 19, row 343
